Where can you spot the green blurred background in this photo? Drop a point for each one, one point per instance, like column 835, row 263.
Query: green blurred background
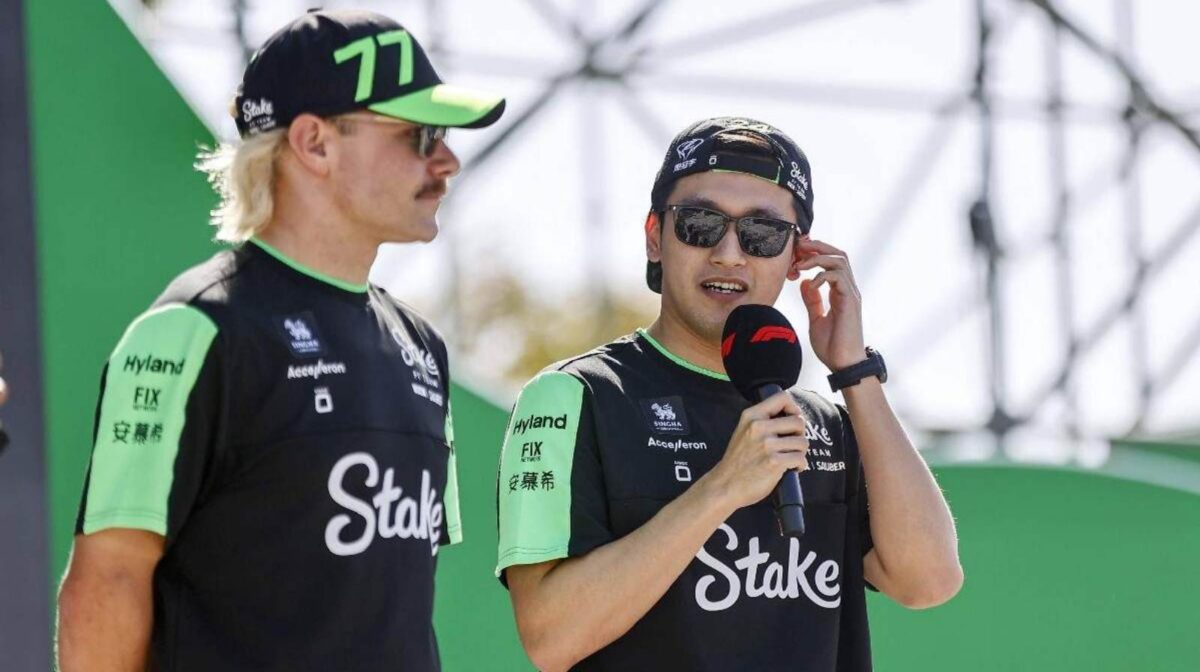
column 1066, row 569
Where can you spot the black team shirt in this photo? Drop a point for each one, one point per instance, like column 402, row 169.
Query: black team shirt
column 598, row 444
column 289, row 435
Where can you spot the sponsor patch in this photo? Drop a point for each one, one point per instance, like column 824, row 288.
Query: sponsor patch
column 665, row 415
column 300, row 333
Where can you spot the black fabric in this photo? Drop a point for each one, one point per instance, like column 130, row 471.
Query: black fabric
column 273, row 561
column 638, row 458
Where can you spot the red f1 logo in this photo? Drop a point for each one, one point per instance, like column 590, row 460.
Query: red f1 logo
column 773, row 333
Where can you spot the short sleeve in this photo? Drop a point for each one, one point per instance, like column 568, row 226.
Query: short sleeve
column 450, row 497
column 551, row 500
column 154, row 424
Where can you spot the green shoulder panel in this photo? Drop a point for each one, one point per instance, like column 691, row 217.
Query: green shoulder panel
column 535, row 471
column 149, row 379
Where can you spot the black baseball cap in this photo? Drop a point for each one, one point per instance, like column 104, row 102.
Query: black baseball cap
column 706, row 145
column 330, row 62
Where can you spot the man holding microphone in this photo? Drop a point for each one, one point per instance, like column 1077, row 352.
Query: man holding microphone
column 634, row 531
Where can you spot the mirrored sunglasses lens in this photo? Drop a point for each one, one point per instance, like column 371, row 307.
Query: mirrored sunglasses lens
column 698, row 227
column 763, row 237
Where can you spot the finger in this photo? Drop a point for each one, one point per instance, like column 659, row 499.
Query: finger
column 780, row 402
column 812, row 300
column 3, row 392
column 839, row 282
column 826, row 261
column 788, row 425
column 790, row 461
column 787, row 444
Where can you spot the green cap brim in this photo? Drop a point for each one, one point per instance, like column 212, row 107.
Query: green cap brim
column 444, row 105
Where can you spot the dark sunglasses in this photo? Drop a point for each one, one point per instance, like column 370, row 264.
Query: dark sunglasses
column 758, row 236
column 425, row 137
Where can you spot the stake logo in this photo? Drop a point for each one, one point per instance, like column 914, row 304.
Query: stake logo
column 755, row 575
column 390, row 514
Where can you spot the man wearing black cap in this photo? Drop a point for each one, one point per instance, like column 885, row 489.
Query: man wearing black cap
column 273, row 468
column 634, row 530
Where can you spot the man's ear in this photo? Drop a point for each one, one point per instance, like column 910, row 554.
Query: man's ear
column 308, row 137
column 653, row 237
column 794, row 272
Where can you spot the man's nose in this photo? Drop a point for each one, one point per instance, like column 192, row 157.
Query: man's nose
column 728, row 250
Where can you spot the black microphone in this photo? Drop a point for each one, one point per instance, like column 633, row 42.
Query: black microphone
column 762, row 357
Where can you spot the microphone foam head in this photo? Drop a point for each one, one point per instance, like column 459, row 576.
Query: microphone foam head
column 760, row 347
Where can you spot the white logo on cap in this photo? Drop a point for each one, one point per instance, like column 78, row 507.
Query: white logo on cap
column 256, row 108
column 798, row 183
column 259, row 115
column 685, row 150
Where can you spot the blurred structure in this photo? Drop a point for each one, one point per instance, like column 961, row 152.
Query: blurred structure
column 1025, row 264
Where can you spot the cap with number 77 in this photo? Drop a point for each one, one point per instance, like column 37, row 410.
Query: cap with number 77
column 330, row 62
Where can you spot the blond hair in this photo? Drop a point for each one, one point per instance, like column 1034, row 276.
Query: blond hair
column 243, row 175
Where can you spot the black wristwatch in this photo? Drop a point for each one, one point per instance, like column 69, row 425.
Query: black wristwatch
column 871, row 366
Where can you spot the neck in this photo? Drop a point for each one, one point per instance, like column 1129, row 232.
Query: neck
column 319, row 238
column 686, row 344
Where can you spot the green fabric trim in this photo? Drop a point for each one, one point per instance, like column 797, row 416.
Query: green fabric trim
column 450, row 496
column 540, row 440
column 441, row 105
column 312, row 273
column 775, row 181
column 679, row 360
column 150, row 377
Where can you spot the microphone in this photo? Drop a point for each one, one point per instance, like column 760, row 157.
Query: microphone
column 762, row 357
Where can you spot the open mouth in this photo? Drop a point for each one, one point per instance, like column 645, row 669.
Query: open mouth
column 724, row 287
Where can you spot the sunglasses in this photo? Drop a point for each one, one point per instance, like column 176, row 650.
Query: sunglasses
column 758, row 236
column 425, row 137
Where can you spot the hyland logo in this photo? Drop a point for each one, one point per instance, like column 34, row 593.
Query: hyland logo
column 540, row 422
column 677, row 445
column 151, row 364
column 316, row 370
column 665, row 415
column 300, row 332
column 802, row 576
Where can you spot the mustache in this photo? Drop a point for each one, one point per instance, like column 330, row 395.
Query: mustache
column 437, row 188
